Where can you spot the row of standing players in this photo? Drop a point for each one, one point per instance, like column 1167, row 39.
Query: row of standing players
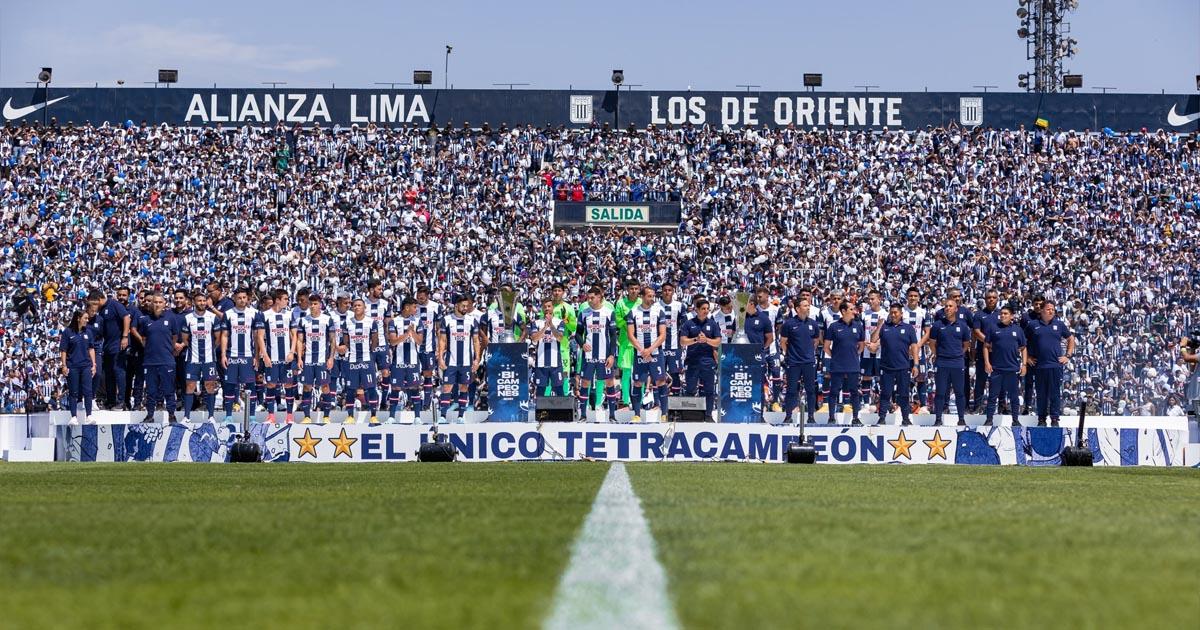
column 344, row 355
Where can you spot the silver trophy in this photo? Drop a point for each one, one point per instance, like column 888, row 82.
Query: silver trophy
column 740, row 300
column 506, row 301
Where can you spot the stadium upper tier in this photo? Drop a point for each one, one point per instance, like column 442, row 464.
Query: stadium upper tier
column 1103, row 223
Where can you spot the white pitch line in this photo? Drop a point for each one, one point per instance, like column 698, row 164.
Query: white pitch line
column 613, row 579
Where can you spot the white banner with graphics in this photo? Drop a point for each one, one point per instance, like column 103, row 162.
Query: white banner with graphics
column 1031, row 446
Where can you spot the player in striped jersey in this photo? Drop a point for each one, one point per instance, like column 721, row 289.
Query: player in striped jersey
column 596, row 333
column 277, row 339
column 317, row 334
column 546, row 333
column 916, row 316
column 200, row 338
column 459, row 352
column 358, row 344
column 379, row 309
column 180, row 307
column 265, row 302
column 405, row 334
column 431, row 314
column 646, row 326
column 341, row 315
column 238, row 349
column 283, row 304
column 725, row 318
column 873, row 316
column 672, row 352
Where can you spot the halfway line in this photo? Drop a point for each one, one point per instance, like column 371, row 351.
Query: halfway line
column 613, row 579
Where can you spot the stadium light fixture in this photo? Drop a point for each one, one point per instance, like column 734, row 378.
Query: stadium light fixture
column 168, row 76
column 1046, row 32
column 813, row 80
column 1072, row 81
column 422, row 78
column 618, row 77
column 45, row 75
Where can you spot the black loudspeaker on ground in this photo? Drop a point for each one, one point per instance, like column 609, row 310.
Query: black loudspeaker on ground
column 244, row 451
column 439, row 449
column 555, row 409
column 1079, row 454
column 801, row 451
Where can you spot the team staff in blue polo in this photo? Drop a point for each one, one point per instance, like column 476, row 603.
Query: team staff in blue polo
column 1004, row 356
column 115, row 322
column 78, row 353
column 158, row 330
column 1046, row 335
column 845, row 339
column 899, row 351
column 1029, row 387
column 760, row 332
column 983, row 323
column 701, row 336
column 949, row 339
column 799, row 337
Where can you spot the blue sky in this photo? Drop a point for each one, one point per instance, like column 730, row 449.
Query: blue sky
column 1133, row 45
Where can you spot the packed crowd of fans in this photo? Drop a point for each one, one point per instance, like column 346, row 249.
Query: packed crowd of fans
column 1103, row 223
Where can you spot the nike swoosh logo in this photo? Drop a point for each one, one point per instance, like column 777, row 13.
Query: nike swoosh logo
column 1176, row 120
column 13, row 113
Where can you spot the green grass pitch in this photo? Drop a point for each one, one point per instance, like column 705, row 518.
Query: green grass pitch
column 483, row 545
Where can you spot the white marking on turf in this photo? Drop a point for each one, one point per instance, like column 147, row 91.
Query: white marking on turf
column 613, row 579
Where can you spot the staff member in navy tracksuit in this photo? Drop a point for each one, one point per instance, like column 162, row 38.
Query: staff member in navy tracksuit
column 96, row 328
column 798, row 340
column 1004, row 356
column 1028, row 318
column 899, row 351
column 1047, row 336
column 159, row 331
column 845, row 339
column 760, row 332
column 115, row 320
column 949, row 338
column 701, row 336
column 78, row 363
column 985, row 320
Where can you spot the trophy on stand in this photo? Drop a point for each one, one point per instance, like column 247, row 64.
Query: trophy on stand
column 506, row 301
column 740, row 300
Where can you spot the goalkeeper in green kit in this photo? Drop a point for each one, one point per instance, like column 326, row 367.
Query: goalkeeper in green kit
column 624, row 345
column 565, row 312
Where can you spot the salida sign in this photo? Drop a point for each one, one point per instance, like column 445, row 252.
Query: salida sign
column 596, row 215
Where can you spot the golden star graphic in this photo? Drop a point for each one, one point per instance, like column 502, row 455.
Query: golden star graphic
column 343, row 444
column 937, row 446
column 308, row 444
column 901, row 446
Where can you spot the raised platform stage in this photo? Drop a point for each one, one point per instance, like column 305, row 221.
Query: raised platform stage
column 1114, row 442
